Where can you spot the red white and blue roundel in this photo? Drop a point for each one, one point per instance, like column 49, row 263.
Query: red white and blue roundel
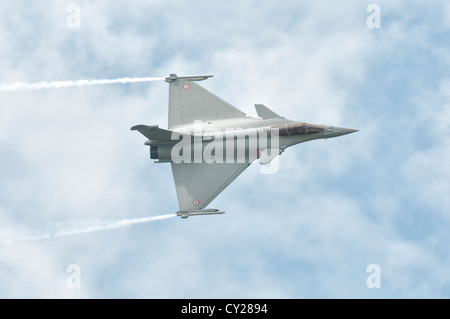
column 186, row 86
column 195, row 202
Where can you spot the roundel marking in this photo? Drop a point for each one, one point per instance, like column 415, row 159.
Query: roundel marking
column 195, row 202
column 186, row 86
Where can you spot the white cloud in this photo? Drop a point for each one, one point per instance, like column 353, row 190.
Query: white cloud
column 427, row 169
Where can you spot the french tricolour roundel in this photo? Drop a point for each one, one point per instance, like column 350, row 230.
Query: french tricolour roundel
column 196, row 202
column 186, row 86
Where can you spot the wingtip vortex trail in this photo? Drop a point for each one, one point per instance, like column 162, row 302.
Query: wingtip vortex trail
column 75, row 228
column 76, row 83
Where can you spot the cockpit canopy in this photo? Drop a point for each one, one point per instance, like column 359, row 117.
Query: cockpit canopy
column 298, row 129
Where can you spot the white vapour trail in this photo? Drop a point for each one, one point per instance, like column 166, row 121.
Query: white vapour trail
column 63, row 84
column 74, row 228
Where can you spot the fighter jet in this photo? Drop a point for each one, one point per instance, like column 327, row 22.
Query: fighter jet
column 209, row 142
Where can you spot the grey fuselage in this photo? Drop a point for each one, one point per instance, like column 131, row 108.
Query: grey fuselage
column 237, row 140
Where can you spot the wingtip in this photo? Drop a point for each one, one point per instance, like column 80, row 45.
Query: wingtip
column 142, row 126
column 173, row 77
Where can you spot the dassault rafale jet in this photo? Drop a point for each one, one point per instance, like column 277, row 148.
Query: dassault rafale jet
column 210, row 142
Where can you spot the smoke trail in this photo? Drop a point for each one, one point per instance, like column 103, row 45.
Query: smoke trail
column 63, row 84
column 75, row 228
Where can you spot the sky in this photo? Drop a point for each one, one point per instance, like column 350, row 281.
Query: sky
column 314, row 229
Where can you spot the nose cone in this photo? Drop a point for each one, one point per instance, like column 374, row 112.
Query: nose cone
column 334, row 131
